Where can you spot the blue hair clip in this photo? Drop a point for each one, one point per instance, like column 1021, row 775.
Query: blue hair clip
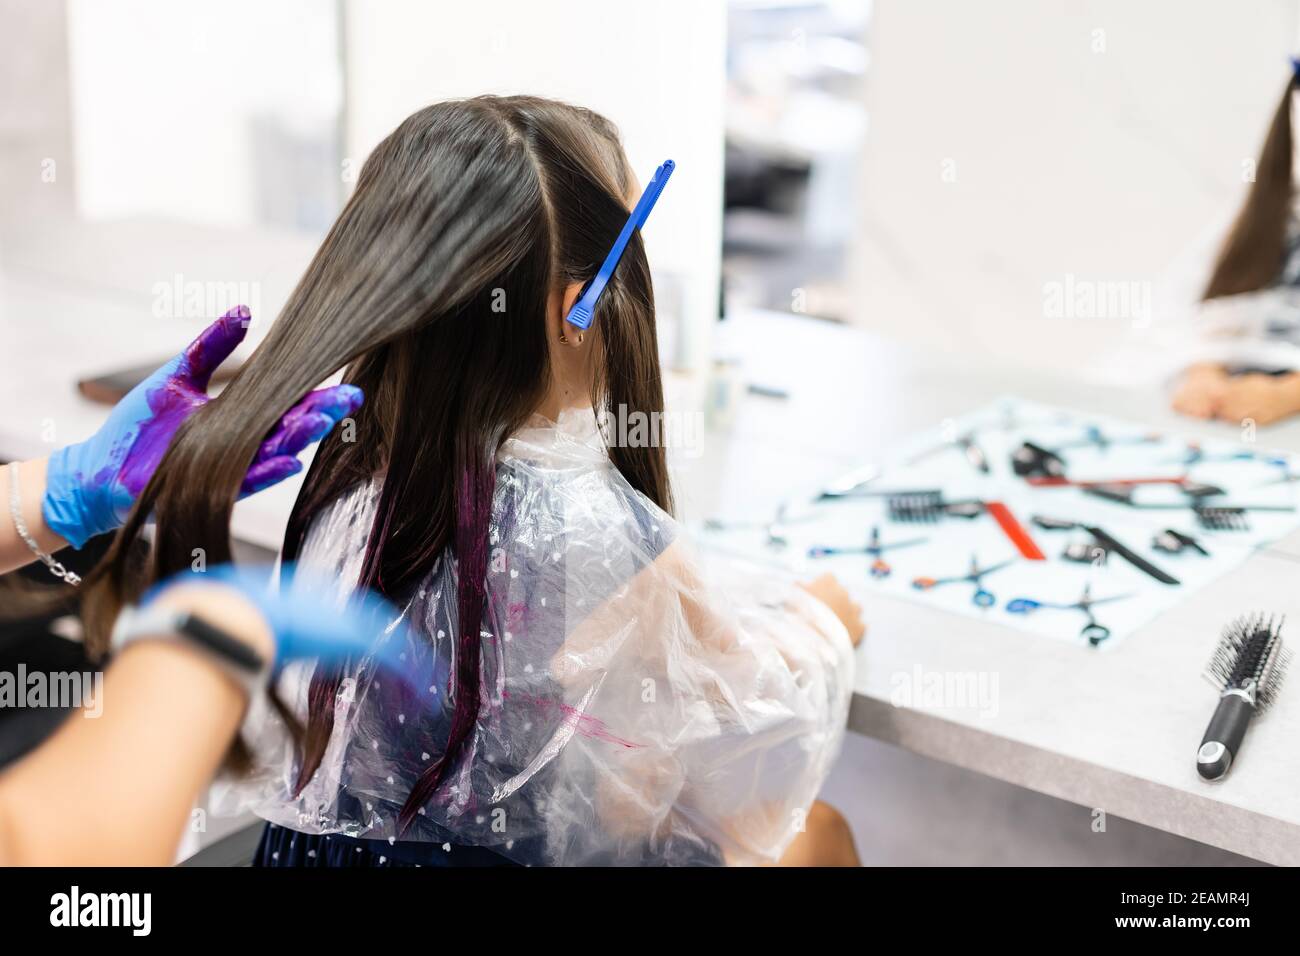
column 584, row 309
column 1295, row 70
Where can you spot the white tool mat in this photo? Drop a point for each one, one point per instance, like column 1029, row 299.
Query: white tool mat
column 1046, row 592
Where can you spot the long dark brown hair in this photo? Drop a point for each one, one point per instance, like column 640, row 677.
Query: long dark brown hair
column 1255, row 249
column 431, row 291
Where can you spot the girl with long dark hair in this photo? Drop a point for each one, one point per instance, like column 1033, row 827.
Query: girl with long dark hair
column 586, row 689
column 1254, row 293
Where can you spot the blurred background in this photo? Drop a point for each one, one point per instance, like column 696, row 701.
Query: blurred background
column 905, row 167
column 201, row 145
column 921, row 170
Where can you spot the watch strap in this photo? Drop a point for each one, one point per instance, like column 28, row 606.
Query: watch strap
column 243, row 664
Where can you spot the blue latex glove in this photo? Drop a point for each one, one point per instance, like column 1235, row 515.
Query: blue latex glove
column 305, row 617
column 90, row 486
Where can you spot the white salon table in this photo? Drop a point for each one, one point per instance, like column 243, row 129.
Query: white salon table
column 1115, row 732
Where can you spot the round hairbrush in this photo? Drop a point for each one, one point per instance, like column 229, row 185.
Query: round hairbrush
column 1247, row 668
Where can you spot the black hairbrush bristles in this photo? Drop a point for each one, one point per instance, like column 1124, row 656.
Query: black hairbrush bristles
column 1222, row 519
column 1250, row 655
column 1247, row 667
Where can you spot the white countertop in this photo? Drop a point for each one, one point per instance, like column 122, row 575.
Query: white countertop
column 1117, row 731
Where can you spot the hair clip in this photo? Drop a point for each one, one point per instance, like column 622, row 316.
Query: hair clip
column 584, row 310
column 1295, row 70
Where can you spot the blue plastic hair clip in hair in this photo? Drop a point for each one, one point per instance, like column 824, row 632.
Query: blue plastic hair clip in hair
column 584, row 309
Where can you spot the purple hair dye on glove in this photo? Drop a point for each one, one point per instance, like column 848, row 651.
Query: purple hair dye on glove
column 90, row 486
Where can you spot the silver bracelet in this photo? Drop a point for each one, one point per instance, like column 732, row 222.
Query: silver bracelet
column 16, row 512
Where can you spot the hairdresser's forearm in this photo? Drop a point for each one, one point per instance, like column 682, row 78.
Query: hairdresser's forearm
column 14, row 552
column 119, row 788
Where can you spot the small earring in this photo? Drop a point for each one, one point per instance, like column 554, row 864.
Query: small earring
column 580, row 334
column 563, row 338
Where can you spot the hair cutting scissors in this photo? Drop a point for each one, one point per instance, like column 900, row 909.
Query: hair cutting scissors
column 879, row 567
column 982, row 596
column 1092, row 630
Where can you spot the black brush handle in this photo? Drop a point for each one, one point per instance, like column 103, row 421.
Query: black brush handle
column 1224, row 736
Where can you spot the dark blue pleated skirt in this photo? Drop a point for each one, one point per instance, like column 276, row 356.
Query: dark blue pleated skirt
column 281, row 846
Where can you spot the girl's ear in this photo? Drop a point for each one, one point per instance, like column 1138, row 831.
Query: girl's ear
column 562, row 331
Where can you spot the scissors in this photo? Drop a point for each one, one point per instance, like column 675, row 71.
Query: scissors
column 982, row 596
column 1194, row 454
column 879, row 567
column 1287, row 477
column 1094, row 437
column 1092, row 630
column 965, row 443
column 773, row 531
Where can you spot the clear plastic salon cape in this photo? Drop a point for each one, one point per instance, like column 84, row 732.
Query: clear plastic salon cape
column 639, row 704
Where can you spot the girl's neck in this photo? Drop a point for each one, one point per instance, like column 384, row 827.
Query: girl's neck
column 562, row 397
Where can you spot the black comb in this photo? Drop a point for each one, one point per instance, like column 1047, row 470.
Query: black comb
column 1221, row 518
column 1247, row 667
column 927, row 507
column 1209, row 517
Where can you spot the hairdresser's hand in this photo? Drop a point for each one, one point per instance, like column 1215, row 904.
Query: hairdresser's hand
column 1263, row 399
column 90, row 486
column 303, row 618
column 1201, row 390
column 830, row 592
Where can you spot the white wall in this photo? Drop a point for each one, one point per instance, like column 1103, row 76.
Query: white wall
column 657, row 70
column 122, row 124
column 1104, row 155
column 36, row 161
column 166, row 97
